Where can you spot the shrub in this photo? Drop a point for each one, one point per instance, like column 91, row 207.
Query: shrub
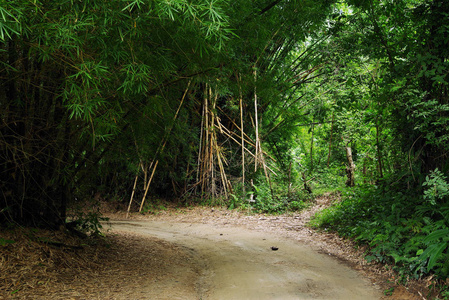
column 406, row 229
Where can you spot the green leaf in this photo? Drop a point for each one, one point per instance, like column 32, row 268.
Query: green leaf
column 436, row 235
column 4, row 242
column 434, row 253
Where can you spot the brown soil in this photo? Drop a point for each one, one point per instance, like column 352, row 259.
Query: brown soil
column 150, row 264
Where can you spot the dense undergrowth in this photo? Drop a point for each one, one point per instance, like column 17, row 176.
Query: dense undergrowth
column 276, row 198
column 259, row 197
column 404, row 229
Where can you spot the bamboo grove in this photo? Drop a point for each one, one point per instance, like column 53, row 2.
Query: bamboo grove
column 214, row 99
column 98, row 93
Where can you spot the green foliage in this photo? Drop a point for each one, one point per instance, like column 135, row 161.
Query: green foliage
column 297, row 205
column 397, row 226
column 5, row 242
column 329, row 179
column 153, row 207
column 278, row 200
column 397, row 93
column 94, row 92
column 389, row 291
column 437, row 187
column 89, row 222
column 234, row 202
column 437, row 242
column 75, row 75
column 264, row 201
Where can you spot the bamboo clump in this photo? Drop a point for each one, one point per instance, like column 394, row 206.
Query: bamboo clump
column 211, row 158
column 211, row 178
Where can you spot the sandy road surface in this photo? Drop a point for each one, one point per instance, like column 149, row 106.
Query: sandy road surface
column 238, row 263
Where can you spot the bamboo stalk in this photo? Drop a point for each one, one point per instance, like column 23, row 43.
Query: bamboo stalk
column 141, row 164
column 259, row 153
column 224, row 179
column 267, row 175
column 249, row 142
column 145, row 174
column 148, row 186
column 161, row 146
column 211, row 147
column 242, row 139
column 132, row 194
column 201, row 145
column 206, row 153
column 256, row 122
column 247, row 138
column 247, row 150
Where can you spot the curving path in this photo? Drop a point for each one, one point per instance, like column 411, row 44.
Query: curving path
column 238, row 263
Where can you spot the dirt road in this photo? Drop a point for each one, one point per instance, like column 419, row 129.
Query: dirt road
column 239, row 263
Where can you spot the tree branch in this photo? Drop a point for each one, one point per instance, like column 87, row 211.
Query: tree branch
column 270, row 6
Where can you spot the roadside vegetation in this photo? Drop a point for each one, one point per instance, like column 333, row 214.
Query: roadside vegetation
column 252, row 105
column 405, row 231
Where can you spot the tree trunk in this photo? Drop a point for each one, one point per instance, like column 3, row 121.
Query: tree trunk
column 330, row 142
column 311, row 149
column 379, row 152
column 350, row 168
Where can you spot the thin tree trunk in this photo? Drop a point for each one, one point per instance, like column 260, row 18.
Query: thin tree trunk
column 350, row 168
column 330, row 142
column 306, row 183
column 379, row 152
column 364, row 171
column 311, row 149
column 289, row 180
